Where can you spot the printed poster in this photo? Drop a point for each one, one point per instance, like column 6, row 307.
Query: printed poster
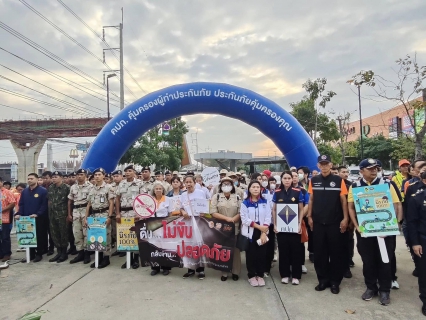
column 126, row 239
column 96, row 234
column 375, row 211
column 288, row 218
column 26, row 232
column 186, row 243
column 174, row 205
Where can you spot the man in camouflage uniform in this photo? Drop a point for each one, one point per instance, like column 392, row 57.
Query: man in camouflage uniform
column 126, row 193
column 58, row 203
column 77, row 203
column 72, row 250
column 117, row 177
column 100, row 205
column 146, row 179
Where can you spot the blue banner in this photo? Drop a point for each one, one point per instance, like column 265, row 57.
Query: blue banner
column 96, row 234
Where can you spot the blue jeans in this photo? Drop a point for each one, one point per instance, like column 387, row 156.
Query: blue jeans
column 5, row 245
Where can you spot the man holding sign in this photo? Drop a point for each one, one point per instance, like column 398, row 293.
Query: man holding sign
column 375, row 270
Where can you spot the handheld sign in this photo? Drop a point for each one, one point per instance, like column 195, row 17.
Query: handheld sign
column 288, row 218
column 144, row 205
column 210, row 176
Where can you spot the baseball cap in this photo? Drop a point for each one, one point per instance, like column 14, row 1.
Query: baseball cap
column 368, row 163
column 324, row 158
column 402, row 162
column 267, row 173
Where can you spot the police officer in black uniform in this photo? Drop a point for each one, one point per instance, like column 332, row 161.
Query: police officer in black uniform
column 328, row 218
column 416, row 224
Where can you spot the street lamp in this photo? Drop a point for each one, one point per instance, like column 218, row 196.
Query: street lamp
column 109, row 76
column 360, row 119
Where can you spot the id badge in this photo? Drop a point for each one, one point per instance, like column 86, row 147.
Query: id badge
column 102, row 199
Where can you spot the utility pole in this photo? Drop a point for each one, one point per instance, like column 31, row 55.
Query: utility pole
column 120, row 49
column 341, row 140
column 196, row 143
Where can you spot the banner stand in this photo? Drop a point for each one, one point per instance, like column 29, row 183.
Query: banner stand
column 383, row 250
column 96, row 259
column 128, row 258
column 27, row 253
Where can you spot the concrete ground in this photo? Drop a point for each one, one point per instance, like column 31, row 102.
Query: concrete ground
column 78, row 292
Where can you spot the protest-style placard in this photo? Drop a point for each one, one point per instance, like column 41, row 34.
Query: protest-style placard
column 144, row 205
column 96, row 234
column 26, row 232
column 210, row 176
column 174, row 204
column 288, row 218
column 375, row 211
column 200, row 205
column 126, row 239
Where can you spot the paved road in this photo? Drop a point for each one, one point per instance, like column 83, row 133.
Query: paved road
column 78, row 292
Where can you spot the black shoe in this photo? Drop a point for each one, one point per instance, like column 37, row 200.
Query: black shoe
column 424, row 309
column 135, row 262
column 135, row 265
column 116, row 253
column 86, row 257
column 384, row 298
column 235, row 277
column 188, row 274
column 166, row 272
column 78, row 258
column 351, row 264
column 72, row 250
column 50, row 252
column 64, row 256
column 311, row 257
column 101, row 256
column 415, row 273
column 154, row 272
column 223, row 278
column 201, row 276
column 334, row 289
column 58, row 255
column 322, row 286
column 368, row 294
column 37, row 258
column 122, row 254
column 124, row 265
column 347, row 274
column 104, row 263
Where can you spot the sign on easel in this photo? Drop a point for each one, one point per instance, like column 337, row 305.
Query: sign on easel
column 126, row 239
column 96, row 234
column 26, row 232
column 288, row 218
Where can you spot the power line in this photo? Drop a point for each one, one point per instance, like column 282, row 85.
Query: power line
column 60, row 78
column 3, row 105
column 67, row 35
column 102, row 39
column 52, row 56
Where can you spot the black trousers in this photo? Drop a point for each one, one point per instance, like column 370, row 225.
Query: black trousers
column 255, row 257
column 310, row 236
column 392, row 261
column 41, row 241
column 199, row 269
column 270, row 248
column 329, row 258
column 374, row 270
column 289, row 254
column 71, row 238
column 161, row 267
column 302, row 254
column 421, row 267
column 349, row 247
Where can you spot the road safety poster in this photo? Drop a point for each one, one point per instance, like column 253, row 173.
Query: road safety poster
column 26, row 232
column 375, row 211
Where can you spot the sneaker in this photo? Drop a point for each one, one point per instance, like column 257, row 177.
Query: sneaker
column 295, row 282
column 201, row 276
column 304, row 269
column 384, row 298
column 253, row 282
column 266, row 274
column 368, row 295
column 284, row 280
column 415, row 273
column 188, row 274
column 395, row 284
column 261, row 282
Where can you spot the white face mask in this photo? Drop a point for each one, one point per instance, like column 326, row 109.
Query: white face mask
column 272, row 186
column 264, row 184
column 301, row 176
column 226, row 189
column 379, row 174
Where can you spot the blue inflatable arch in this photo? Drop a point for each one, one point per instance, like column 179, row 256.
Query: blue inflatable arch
column 120, row 133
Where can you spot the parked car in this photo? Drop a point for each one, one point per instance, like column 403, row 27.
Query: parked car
column 354, row 174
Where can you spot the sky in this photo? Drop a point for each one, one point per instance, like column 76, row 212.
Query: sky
column 270, row 47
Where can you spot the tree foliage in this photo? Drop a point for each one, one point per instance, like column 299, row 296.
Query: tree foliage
column 165, row 151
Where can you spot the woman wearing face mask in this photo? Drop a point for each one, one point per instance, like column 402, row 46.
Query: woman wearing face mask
column 289, row 243
column 303, row 174
column 255, row 218
column 158, row 192
column 187, row 211
column 226, row 206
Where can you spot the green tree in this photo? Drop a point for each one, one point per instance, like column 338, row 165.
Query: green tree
column 304, row 111
column 333, row 151
column 154, row 147
column 377, row 147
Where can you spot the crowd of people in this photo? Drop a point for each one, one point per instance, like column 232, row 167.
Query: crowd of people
column 327, row 220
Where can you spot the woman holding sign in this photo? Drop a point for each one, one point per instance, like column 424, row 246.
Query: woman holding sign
column 174, row 196
column 158, row 192
column 288, row 214
column 255, row 217
column 187, row 211
column 226, row 206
